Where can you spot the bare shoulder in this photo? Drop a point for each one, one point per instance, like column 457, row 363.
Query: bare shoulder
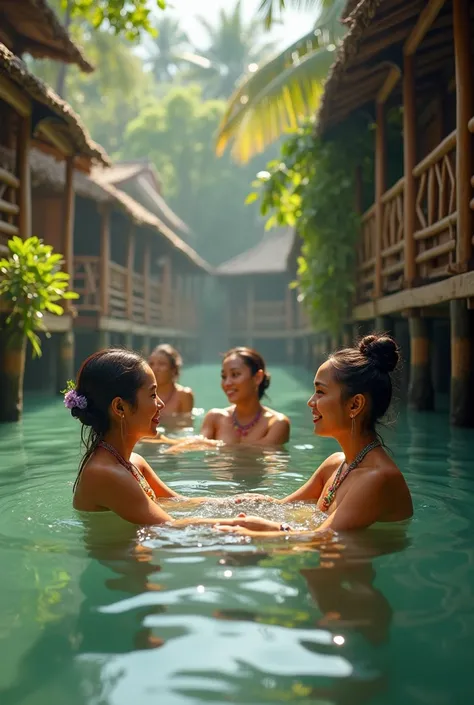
column 276, row 417
column 217, row 414
column 100, row 472
column 184, row 391
column 331, row 464
column 138, row 460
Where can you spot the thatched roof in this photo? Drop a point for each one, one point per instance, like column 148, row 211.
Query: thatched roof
column 31, row 26
column 140, row 180
column 66, row 120
column 270, row 256
column 373, row 46
column 48, row 172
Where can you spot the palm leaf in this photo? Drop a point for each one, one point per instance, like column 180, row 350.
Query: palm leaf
column 311, row 52
column 279, row 107
column 268, row 8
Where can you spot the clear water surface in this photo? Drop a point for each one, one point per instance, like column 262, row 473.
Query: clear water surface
column 112, row 616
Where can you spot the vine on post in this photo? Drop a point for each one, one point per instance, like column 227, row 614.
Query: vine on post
column 312, row 188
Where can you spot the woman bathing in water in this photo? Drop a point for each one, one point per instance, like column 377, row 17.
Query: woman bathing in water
column 360, row 485
column 246, row 421
column 115, row 399
column 166, row 364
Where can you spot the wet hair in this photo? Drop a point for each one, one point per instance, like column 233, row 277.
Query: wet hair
column 103, row 376
column 172, row 355
column 365, row 369
column 255, row 362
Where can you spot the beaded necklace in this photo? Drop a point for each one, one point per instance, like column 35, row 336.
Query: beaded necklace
column 243, row 429
column 137, row 474
column 341, row 476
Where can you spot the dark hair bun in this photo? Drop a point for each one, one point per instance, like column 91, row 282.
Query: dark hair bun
column 381, row 350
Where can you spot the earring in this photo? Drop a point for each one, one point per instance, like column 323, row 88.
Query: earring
column 352, row 424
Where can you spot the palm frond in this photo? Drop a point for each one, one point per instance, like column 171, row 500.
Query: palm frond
column 279, row 107
column 269, row 8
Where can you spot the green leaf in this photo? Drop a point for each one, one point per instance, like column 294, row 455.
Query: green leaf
column 251, row 198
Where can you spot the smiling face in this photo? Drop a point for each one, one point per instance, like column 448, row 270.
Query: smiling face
column 163, row 369
column 142, row 419
column 237, row 381
column 331, row 412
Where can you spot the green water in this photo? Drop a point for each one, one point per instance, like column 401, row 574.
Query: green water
column 119, row 618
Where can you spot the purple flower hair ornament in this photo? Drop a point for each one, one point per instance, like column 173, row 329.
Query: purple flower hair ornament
column 73, row 400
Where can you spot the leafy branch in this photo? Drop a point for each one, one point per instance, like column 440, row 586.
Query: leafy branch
column 311, row 188
column 32, row 283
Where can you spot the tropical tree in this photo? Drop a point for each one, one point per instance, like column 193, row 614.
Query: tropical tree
column 233, row 48
column 286, row 89
column 125, row 17
column 176, row 134
column 167, row 49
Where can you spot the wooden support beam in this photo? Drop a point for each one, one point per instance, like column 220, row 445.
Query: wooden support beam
column 380, row 177
column 456, row 287
column 425, row 20
column 409, row 158
column 420, row 391
column 464, row 144
column 14, row 96
column 69, row 209
column 23, row 171
column 462, row 375
column 130, row 270
column 49, row 132
column 390, row 82
column 146, row 279
column 105, row 260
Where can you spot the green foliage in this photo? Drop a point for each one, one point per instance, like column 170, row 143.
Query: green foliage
column 31, row 284
column 176, row 134
column 312, row 188
column 125, row 17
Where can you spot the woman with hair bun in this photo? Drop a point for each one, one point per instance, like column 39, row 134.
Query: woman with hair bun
column 361, row 485
column 166, row 363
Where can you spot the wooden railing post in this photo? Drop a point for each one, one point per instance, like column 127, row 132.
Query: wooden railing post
column 68, row 209
column 409, row 154
column 167, row 293
column 130, row 270
column 464, row 147
column 146, row 280
column 23, row 171
column 380, row 185
column 104, row 260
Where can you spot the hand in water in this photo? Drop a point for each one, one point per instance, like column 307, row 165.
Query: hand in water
column 253, row 497
column 243, row 523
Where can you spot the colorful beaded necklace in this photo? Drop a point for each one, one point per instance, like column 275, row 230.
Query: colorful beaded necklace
column 341, row 476
column 243, row 429
column 137, row 474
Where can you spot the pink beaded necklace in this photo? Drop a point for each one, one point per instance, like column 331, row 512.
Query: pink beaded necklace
column 243, row 429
